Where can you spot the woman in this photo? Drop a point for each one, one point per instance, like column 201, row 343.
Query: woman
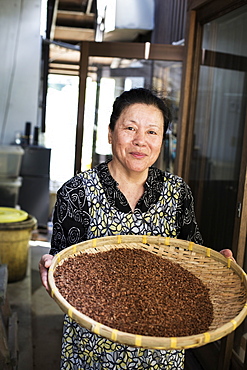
column 123, row 196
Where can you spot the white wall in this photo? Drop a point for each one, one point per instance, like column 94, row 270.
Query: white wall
column 20, row 50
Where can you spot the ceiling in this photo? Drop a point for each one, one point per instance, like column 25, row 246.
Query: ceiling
column 69, row 23
column 73, row 20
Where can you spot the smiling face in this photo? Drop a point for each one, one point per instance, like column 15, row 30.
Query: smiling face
column 137, row 138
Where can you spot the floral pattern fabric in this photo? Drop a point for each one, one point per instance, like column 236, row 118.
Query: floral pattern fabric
column 101, row 353
column 90, row 205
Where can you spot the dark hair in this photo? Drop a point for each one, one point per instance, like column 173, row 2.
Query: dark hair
column 141, row 96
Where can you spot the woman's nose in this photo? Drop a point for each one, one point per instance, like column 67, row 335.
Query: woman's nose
column 139, row 138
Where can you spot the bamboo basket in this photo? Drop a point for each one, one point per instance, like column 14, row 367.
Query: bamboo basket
column 226, row 281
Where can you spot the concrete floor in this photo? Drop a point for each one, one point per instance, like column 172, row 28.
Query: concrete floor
column 39, row 317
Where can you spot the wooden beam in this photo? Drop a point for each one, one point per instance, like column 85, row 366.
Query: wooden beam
column 240, row 226
column 70, row 14
column 167, row 52
column 224, row 60
column 54, row 18
column 66, row 72
column 73, row 34
column 212, row 6
column 71, row 66
column 117, row 49
column 208, row 10
column 196, row 4
column 136, row 50
column 185, row 92
column 81, row 105
column 192, row 101
column 89, row 6
column 243, row 226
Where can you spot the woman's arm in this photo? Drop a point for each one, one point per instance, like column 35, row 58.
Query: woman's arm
column 70, row 217
column 70, row 223
column 186, row 220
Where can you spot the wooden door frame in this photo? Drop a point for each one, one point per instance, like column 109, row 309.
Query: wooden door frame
column 116, row 50
column 188, row 94
column 200, row 12
column 240, row 227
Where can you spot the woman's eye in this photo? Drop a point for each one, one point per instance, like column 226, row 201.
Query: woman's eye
column 152, row 132
column 130, row 128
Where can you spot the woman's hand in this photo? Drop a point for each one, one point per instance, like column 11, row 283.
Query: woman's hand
column 228, row 254
column 44, row 264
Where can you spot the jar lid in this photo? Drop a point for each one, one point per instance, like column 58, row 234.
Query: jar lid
column 12, row 215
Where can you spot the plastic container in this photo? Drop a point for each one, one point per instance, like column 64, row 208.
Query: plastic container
column 8, row 214
column 14, row 244
column 9, row 191
column 10, row 160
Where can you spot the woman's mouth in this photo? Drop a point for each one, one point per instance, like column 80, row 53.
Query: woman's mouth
column 138, row 155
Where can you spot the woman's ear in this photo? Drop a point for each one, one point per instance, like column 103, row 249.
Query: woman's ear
column 109, row 135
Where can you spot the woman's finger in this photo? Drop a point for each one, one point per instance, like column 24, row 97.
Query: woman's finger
column 44, row 264
column 227, row 253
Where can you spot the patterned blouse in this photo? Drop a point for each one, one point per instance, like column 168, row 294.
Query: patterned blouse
column 90, row 205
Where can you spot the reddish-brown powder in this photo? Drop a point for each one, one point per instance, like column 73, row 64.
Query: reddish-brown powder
column 136, row 291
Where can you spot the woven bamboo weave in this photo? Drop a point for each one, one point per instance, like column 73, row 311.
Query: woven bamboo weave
column 226, row 281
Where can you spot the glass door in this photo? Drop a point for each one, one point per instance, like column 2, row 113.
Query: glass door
column 212, row 155
column 109, row 78
column 107, row 69
column 219, row 127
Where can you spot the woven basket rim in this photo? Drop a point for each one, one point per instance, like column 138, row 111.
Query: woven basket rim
column 134, row 340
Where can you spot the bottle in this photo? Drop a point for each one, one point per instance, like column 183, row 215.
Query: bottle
column 27, row 132
column 49, row 230
column 36, row 135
